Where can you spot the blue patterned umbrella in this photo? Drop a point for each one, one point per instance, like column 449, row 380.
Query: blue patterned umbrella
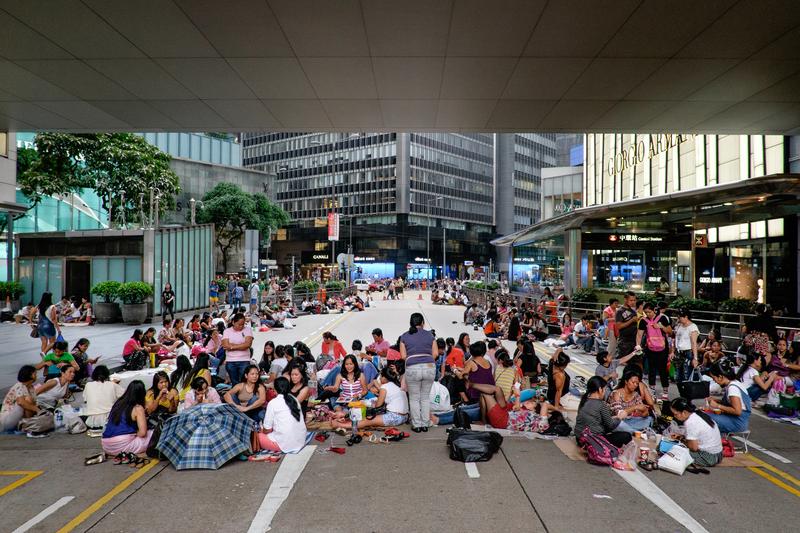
column 205, row 436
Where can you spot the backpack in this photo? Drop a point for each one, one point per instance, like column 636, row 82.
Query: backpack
column 598, row 450
column 557, row 425
column 655, row 339
column 472, row 446
column 136, row 361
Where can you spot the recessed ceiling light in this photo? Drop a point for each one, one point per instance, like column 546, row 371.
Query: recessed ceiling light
column 664, row 212
column 621, row 224
column 612, row 219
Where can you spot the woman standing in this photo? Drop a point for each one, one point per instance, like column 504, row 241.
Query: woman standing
column 237, row 341
column 126, row 430
column 419, row 351
column 655, row 328
column 48, row 327
column 168, row 302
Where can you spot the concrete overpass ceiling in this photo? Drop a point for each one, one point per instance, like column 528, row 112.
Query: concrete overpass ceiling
column 711, row 66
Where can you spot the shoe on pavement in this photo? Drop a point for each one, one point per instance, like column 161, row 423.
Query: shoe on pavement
column 32, row 435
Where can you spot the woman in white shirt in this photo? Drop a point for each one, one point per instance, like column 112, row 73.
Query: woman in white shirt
column 732, row 413
column 283, row 429
column 754, row 381
column 702, row 433
column 100, row 395
column 55, row 389
column 387, row 389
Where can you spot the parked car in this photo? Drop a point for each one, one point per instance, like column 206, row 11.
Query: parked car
column 362, row 285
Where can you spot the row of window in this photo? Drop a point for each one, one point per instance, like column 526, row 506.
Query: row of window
column 484, row 156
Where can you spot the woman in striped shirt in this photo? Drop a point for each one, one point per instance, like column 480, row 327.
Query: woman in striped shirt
column 350, row 382
column 505, row 375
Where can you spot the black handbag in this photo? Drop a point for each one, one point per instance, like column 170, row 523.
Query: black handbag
column 694, row 390
column 472, row 446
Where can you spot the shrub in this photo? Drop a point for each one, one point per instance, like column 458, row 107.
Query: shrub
column 15, row 289
column 737, row 305
column 107, row 290
column 134, row 292
column 223, row 284
column 306, row 285
column 584, row 295
column 647, row 298
column 334, row 285
column 693, row 304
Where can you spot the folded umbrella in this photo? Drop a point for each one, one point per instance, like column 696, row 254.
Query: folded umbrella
column 205, row 436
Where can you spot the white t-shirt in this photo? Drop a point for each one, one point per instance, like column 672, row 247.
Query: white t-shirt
column 748, row 377
column 707, row 437
column 734, row 390
column 287, row 432
column 683, row 336
column 396, row 400
column 255, row 291
column 100, row 396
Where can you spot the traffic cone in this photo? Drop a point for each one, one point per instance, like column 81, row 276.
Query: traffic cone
column 419, row 296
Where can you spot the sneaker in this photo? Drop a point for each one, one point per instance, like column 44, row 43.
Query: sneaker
column 31, row 435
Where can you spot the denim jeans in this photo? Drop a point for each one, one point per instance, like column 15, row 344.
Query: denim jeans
column 755, row 392
column 419, row 379
column 587, row 343
column 472, row 410
column 236, row 370
column 634, row 423
column 237, row 303
column 683, row 365
column 731, row 424
column 256, row 415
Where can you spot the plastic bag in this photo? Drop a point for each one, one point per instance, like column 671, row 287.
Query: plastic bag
column 629, row 454
column 473, row 446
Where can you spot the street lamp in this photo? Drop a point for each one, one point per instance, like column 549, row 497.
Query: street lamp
column 428, row 212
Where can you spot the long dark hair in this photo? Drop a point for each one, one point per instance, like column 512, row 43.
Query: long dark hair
column 682, row 404
column 415, row 322
column 629, row 373
column 178, row 379
column 595, row 384
column 200, row 364
column 356, row 369
column 460, row 343
column 561, row 360
column 284, row 387
column 157, row 377
column 722, row 369
column 265, row 357
column 503, row 358
column 133, row 396
column 45, row 302
column 300, row 365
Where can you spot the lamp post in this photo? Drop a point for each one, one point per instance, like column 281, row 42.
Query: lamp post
column 428, row 212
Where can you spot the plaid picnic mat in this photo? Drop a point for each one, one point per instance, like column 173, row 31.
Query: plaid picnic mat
column 205, row 436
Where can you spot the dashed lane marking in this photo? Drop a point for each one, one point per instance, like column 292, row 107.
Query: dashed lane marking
column 44, row 514
column 472, row 470
column 765, row 451
column 27, row 475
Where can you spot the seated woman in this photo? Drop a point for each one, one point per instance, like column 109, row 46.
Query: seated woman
column 505, row 375
column 283, row 429
column 166, row 336
column 783, row 362
column 55, row 389
column 387, row 389
column 160, row 398
column 295, row 372
column 180, row 379
column 332, row 346
column 134, row 344
column 149, row 342
column 732, row 412
column 513, row 415
column 83, row 359
column 100, row 395
column 201, row 393
column 755, row 381
column 702, row 433
column 199, row 370
column 712, row 355
column 557, row 379
column 249, row 396
column 594, row 413
column 350, row 383
column 20, row 400
column 632, row 398
column 126, row 430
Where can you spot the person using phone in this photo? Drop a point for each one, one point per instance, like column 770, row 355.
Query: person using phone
column 200, row 393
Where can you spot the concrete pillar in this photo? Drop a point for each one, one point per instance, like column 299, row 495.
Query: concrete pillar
column 572, row 260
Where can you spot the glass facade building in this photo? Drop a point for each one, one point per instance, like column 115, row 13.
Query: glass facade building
column 390, row 190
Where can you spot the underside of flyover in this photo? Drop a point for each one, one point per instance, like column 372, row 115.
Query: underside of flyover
column 712, row 66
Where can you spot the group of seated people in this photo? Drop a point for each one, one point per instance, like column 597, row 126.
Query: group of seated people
column 335, row 303
column 68, row 311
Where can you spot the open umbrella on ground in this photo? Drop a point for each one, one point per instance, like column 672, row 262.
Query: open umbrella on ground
column 205, row 436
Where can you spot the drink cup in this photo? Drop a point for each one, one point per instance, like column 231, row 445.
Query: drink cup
column 644, row 453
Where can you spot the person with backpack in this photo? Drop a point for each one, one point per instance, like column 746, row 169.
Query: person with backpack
column 595, row 414
column 655, row 328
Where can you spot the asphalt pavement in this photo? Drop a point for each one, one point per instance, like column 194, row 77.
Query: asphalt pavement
column 412, row 485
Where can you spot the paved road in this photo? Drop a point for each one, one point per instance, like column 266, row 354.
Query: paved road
column 407, row 486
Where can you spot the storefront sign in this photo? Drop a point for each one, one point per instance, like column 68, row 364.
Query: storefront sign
column 422, row 259
column 708, row 279
column 315, row 257
column 333, row 226
column 363, row 259
column 525, row 260
column 468, row 263
column 636, row 154
column 631, row 237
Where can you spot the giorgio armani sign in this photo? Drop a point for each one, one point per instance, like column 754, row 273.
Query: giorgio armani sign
column 637, row 153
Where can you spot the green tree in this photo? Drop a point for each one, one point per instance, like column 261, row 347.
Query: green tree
column 232, row 211
column 118, row 166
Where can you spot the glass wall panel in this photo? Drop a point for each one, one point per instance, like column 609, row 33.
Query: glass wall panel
column 157, row 243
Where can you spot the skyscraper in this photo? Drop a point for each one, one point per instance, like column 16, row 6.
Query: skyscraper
column 398, row 196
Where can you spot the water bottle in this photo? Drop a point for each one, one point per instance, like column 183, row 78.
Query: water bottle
column 59, row 419
column 312, row 384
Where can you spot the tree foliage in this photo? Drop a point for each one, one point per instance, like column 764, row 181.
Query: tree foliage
column 232, row 211
column 119, row 167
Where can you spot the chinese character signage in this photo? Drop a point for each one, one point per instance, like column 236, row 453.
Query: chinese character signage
column 333, row 226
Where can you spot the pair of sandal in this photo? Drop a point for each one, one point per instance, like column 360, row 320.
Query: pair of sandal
column 648, row 465
column 128, row 458
column 423, row 429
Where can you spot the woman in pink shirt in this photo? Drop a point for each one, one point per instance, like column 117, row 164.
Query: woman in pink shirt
column 237, row 341
column 133, row 344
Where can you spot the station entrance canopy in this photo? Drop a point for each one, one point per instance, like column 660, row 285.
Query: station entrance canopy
column 722, row 66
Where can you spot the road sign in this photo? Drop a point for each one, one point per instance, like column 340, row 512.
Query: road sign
column 471, row 270
column 468, row 263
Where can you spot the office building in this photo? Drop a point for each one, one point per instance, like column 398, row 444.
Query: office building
column 391, row 192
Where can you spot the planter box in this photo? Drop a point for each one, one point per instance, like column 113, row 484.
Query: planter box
column 106, row 313
column 134, row 314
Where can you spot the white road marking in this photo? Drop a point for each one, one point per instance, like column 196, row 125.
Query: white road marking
column 288, row 473
column 765, row 451
column 649, row 490
column 472, row 470
column 44, row 514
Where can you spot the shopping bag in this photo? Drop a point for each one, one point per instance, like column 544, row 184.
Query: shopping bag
column 676, row 460
column 694, row 389
column 60, row 337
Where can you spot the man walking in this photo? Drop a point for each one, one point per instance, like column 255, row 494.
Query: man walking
column 255, row 292
column 627, row 320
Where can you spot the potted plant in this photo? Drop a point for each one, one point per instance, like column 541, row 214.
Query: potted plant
column 15, row 290
column 107, row 311
column 133, row 295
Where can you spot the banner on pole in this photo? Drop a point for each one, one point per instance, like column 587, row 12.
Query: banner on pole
column 333, row 226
